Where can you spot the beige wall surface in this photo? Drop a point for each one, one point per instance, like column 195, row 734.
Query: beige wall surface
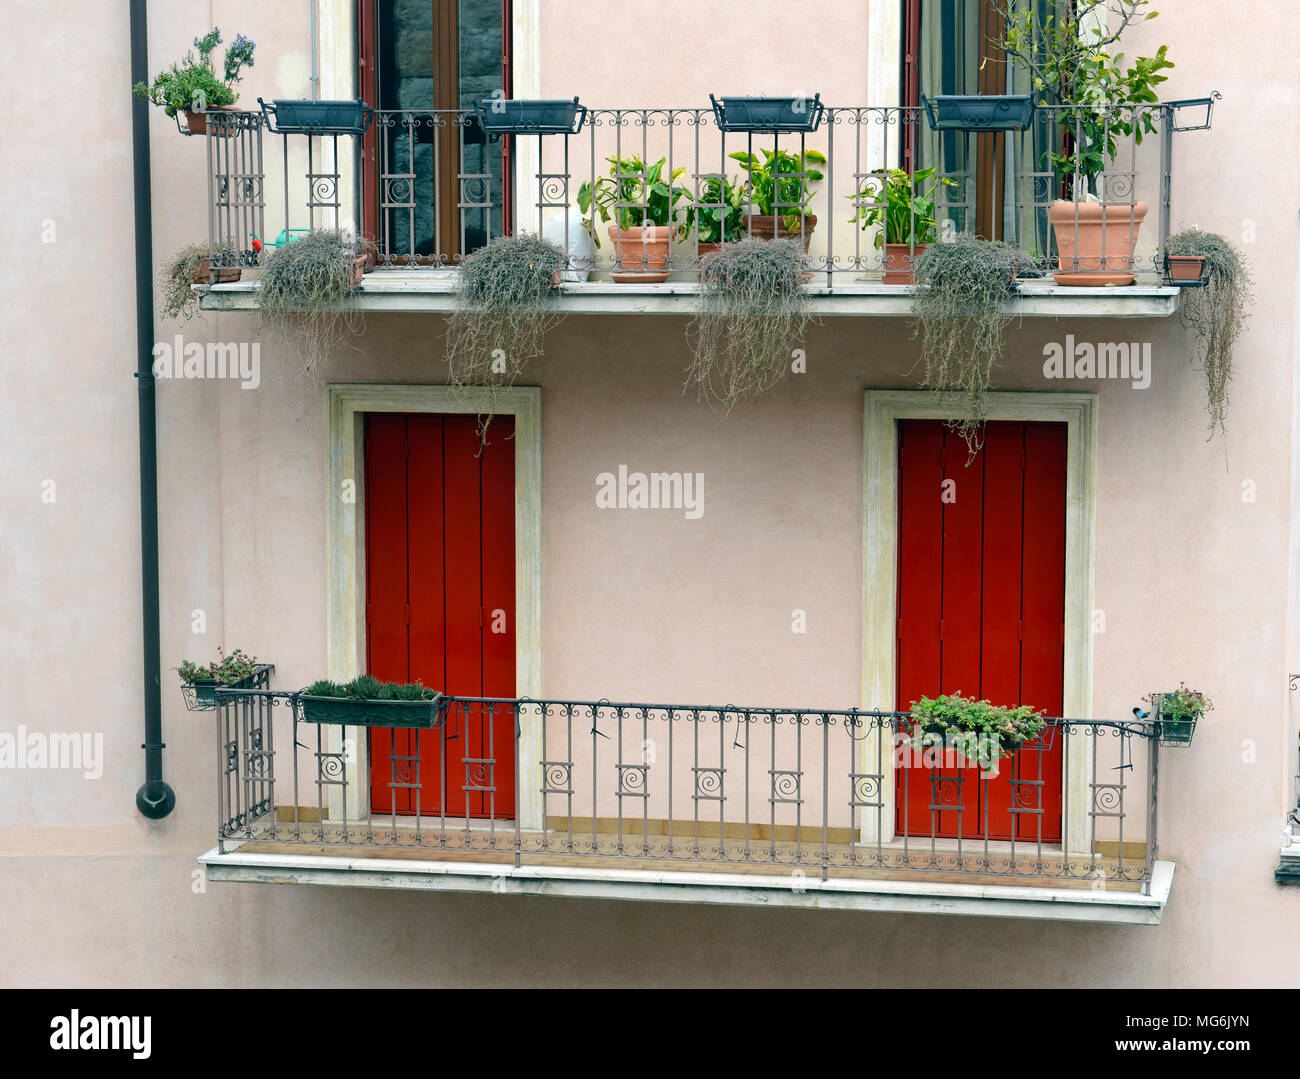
column 1193, row 579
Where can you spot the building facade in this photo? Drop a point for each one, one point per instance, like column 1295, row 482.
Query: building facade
column 677, row 648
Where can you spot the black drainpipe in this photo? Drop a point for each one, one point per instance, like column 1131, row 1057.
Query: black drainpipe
column 155, row 799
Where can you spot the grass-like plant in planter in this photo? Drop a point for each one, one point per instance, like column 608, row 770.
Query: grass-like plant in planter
column 752, row 312
column 368, row 702
column 1216, row 314
column 187, row 267
column 958, row 306
column 199, row 681
column 982, row 732
column 1178, row 712
column 307, row 287
column 503, row 312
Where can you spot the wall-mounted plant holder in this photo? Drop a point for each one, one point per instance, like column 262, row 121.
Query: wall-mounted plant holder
column 768, row 114
column 201, row 694
column 979, row 112
column 1176, row 729
column 300, row 117
column 1186, row 271
column 196, row 121
column 505, row 116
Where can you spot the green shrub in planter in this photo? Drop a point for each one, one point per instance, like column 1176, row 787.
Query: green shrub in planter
column 983, row 732
column 368, row 702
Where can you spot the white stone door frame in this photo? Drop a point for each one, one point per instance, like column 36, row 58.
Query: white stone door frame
column 346, row 406
column 884, row 409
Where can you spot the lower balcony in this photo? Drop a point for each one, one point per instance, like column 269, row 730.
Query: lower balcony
column 682, row 803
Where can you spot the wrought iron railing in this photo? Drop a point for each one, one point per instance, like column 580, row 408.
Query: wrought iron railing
column 833, row 793
column 424, row 188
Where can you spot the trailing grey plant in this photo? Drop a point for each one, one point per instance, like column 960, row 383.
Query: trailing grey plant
column 308, row 286
column 958, row 305
column 753, row 310
column 1216, row 314
column 179, row 300
column 503, row 312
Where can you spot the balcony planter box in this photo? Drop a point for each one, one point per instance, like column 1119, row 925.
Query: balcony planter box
column 349, row 711
column 768, row 114
column 1095, row 241
column 203, row 275
column 1186, row 271
column 518, row 117
column 979, row 112
column 359, row 263
column 299, row 117
column 1176, row 729
column 899, row 260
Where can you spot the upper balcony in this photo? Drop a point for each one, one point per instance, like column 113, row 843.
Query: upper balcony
column 795, row 807
column 425, row 188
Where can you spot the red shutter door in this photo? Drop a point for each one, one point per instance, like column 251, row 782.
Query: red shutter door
column 981, row 600
column 440, row 549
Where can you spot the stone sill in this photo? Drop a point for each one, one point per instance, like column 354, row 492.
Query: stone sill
column 433, row 292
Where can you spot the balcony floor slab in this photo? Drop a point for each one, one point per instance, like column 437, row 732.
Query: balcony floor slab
column 630, row 879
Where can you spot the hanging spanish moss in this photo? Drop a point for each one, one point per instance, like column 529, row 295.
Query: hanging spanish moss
column 504, row 309
column 962, row 287
column 753, row 312
column 308, row 287
column 1216, row 314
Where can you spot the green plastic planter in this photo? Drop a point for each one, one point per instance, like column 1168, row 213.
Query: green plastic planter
column 501, row 116
column 347, row 711
column 979, row 112
column 301, row 117
column 201, row 695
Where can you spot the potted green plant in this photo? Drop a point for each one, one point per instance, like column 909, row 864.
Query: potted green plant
column 368, row 702
column 199, row 682
column 963, row 287
column 642, row 203
column 905, row 217
column 192, row 85
column 308, row 285
column 717, row 213
column 780, row 186
column 1177, row 713
column 1070, row 60
column 504, row 308
column 753, row 309
column 984, row 733
column 1215, row 313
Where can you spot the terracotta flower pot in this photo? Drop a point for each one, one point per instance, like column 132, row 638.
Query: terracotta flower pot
column 766, row 228
column 641, row 253
column 899, row 261
column 1095, row 243
column 1186, row 268
column 358, row 268
column 197, row 122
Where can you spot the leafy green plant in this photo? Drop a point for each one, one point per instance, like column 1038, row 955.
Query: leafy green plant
column 1216, row 314
column 366, row 688
column 307, row 286
column 907, row 211
column 633, row 194
column 192, row 82
column 1069, row 60
column 718, row 213
column 781, row 182
column 226, row 670
column 752, row 311
column 958, row 307
column 1179, row 711
column 503, row 311
column 983, row 732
